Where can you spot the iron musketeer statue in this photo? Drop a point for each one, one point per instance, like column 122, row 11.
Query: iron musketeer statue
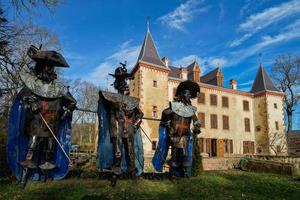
column 175, row 131
column 120, row 144
column 40, row 121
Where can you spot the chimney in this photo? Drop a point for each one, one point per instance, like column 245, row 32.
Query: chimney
column 183, row 73
column 165, row 60
column 233, row 84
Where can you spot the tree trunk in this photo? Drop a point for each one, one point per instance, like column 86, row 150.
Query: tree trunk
column 290, row 120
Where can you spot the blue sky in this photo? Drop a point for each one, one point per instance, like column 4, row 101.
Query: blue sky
column 96, row 35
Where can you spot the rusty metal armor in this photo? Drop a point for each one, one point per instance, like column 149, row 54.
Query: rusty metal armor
column 124, row 118
column 177, row 118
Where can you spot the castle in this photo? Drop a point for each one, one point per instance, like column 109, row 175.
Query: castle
column 233, row 122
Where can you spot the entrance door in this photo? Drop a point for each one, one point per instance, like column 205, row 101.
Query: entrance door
column 213, row 147
column 220, row 148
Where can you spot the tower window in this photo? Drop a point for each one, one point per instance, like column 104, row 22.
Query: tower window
column 154, row 111
column 154, row 83
column 247, row 124
column 246, row 105
column 275, row 105
column 154, row 145
column 277, row 125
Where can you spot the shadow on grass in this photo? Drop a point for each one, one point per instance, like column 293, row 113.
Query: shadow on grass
column 209, row 185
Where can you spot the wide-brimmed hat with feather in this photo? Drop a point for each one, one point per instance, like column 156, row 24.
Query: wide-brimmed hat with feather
column 51, row 58
column 192, row 86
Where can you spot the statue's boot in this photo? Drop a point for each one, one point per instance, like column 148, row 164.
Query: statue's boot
column 47, row 166
column 24, row 178
column 28, row 164
column 114, row 180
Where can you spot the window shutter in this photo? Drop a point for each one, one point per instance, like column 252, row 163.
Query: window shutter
column 214, row 121
column 225, row 122
column 201, row 117
column 225, row 102
column 213, row 100
column 231, row 146
column 208, row 146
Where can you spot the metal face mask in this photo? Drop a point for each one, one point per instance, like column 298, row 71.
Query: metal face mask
column 186, row 96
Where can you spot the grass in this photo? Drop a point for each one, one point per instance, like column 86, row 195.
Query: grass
column 209, row 185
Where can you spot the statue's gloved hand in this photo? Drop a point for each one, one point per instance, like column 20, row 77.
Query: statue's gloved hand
column 32, row 103
column 167, row 124
column 66, row 112
column 137, row 124
column 197, row 127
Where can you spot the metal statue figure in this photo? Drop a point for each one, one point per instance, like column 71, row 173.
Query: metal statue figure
column 40, row 121
column 175, row 131
column 120, row 144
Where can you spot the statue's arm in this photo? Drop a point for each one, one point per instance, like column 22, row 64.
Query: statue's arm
column 197, row 124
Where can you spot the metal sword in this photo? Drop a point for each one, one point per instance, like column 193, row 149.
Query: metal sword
column 61, row 147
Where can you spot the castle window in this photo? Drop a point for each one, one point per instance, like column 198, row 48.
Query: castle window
column 154, row 145
column 248, row 147
column 247, row 124
column 213, row 100
column 154, row 111
column 201, row 98
column 231, row 146
column 154, row 83
column 225, row 103
column 225, row 122
column 246, row 105
column 275, row 105
column 213, row 121
column 201, row 144
column 277, row 125
column 201, row 117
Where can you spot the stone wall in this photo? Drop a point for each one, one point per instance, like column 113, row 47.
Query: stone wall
column 283, row 159
column 210, row 164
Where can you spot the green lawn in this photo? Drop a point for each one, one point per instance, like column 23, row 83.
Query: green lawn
column 210, row 185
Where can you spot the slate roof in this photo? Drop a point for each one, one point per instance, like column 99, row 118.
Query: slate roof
column 210, row 77
column 262, row 81
column 149, row 52
column 174, row 72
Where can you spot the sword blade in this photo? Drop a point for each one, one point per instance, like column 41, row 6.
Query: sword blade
column 61, row 147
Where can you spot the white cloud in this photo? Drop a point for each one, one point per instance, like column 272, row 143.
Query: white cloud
column 259, row 21
column 246, row 83
column 126, row 52
column 182, row 14
column 205, row 63
column 290, row 32
column 186, row 60
column 217, row 62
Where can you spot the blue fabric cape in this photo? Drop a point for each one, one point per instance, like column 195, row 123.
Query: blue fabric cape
column 105, row 148
column 162, row 149
column 17, row 142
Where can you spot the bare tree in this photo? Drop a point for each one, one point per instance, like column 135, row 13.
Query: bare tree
column 278, row 143
column 286, row 76
column 30, row 5
column 85, row 123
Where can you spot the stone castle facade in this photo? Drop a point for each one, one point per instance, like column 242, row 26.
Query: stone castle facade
column 233, row 122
